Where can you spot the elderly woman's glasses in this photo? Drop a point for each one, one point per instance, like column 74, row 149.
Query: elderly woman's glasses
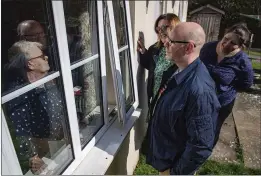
column 44, row 57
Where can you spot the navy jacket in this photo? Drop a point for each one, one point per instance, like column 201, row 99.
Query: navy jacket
column 232, row 74
column 181, row 132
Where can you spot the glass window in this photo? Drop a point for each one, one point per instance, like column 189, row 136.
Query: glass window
column 111, row 95
column 120, row 22
column 81, row 27
column 34, row 26
column 37, row 116
column 38, row 125
column 126, row 78
column 122, row 37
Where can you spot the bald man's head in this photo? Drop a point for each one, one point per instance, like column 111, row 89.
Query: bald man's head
column 185, row 42
column 31, row 30
column 191, row 31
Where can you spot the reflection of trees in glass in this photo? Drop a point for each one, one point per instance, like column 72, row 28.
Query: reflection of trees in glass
column 89, row 91
column 81, row 15
column 119, row 15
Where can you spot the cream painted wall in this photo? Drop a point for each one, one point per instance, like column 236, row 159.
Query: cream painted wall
column 128, row 154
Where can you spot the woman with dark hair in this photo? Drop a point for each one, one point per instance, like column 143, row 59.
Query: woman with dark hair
column 153, row 59
column 230, row 68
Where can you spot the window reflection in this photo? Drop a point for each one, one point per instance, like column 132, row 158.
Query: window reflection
column 81, row 27
column 122, row 36
column 120, row 22
column 37, row 119
column 34, row 26
column 37, row 122
column 127, row 78
column 88, row 100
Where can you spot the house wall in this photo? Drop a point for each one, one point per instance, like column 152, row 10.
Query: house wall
column 142, row 21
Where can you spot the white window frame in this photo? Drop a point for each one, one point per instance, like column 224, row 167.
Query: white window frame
column 80, row 154
column 116, row 49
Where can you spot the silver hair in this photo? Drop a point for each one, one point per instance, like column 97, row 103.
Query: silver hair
column 22, row 47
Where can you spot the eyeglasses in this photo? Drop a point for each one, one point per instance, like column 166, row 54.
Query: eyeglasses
column 177, row 41
column 162, row 28
column 44, row 57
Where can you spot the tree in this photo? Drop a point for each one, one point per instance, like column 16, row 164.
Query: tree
column 232, row 9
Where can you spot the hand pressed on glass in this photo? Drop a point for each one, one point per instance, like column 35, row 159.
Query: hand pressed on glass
column 36, row 164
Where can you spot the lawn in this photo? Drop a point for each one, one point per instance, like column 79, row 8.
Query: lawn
column 256, row 64
column 209, row 168
column 254, row 53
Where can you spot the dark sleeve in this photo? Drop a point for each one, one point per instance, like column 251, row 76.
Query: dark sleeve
column 245, row 75
column 221, row 75
column 200, row 124
column 146, row 59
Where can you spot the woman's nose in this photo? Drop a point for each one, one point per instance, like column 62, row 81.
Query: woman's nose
column 166, row 43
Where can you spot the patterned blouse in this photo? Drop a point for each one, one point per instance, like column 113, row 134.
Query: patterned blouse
column 162, row 64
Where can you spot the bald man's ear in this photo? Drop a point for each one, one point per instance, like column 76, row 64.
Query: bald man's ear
column 189, row 48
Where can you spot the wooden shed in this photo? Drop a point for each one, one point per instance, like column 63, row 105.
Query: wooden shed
column 209, row 18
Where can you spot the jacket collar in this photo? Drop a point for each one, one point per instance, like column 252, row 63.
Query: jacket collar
column 180, row 77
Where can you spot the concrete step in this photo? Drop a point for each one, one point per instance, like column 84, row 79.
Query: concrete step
column 247, row 118
column 224, row 151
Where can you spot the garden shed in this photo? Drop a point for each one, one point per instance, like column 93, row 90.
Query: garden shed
column 209, row 17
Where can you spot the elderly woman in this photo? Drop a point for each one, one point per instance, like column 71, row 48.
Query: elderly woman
column 230, row 68
column 37, row 115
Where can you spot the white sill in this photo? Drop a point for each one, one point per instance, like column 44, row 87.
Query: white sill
column 98, row 160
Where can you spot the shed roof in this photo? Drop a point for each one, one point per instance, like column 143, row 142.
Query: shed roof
column 207, row 6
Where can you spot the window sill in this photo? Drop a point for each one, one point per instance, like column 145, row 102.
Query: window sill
column 105, row 150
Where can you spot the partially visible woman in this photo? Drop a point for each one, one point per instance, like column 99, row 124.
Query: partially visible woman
column 155, row 62
column 153, row 59
column 230, row 68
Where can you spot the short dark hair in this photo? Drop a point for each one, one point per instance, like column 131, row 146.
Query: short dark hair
column 241, row 30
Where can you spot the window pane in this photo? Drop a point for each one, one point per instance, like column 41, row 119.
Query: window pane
column 122, row 36
column 81, row 27
column 37, row 121
column 30, row 21
column 120, row 22
column 127, row 78
column 88, row 99
column 111, row 95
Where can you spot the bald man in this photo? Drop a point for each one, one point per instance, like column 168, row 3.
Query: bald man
column 31, row 30
column 182, row 128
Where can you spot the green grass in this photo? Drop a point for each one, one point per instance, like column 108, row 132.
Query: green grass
column 144, row 169
column 256, row 64
column 254, row 53
column 216, row 168
column 208, row 168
